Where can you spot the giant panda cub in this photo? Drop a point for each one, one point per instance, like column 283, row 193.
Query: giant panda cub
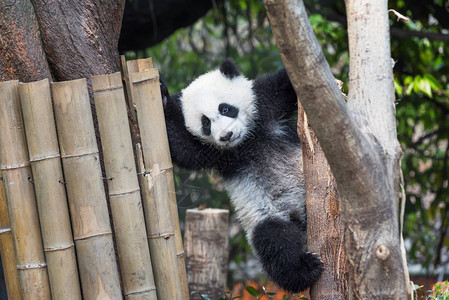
column 240, row 128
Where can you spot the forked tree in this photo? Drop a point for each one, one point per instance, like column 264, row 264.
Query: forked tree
column 358, row 137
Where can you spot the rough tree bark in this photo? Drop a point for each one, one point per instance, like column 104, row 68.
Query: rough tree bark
column 324, row 224
column 59, row 39
column 358, row 137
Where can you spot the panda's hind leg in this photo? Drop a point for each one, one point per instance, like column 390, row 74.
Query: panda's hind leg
column 281, row 247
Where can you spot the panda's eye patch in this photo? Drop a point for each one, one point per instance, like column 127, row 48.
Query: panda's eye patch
column 205, row 121
column 228, row 110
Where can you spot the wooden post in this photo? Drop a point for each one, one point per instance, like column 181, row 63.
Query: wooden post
column 156, row 153
column 51, row 198
column 124, row 191
column 324, row 224
column 16, row 171
column 7, row 250
column 85, row 190
column 206, row 240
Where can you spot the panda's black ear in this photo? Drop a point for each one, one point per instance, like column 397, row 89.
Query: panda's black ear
column 229, row 69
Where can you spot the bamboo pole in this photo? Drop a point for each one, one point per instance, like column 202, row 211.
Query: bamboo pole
column 157, row 152
column 129, row 67
column 85, row 190
column 50, row 193
column 20, row 195
column 7, row 250
column 124, row 191
column 206, row 240
column 159, row 230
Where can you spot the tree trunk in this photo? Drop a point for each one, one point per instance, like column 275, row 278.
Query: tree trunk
column 79, row 38
column 360, row 144
column 324, row 224
column 21, row 49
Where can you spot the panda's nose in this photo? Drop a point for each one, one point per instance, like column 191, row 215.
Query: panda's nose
column 227, row 137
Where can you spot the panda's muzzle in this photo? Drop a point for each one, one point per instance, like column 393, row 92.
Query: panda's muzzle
column 227, row 137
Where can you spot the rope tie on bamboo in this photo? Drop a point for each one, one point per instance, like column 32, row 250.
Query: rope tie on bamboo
column 144, row 173
column 62, row 181
column 107, row 178
column 31, row 180
column 58, row 248
column 31, row 266
column 165, row 235
column 161, row 170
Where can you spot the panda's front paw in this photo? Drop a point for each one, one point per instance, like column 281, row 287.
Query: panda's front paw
column 164, row 93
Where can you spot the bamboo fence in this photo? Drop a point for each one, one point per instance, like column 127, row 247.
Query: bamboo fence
column 85, row 190
column 7, row 250
column 53, row 181
column 51, row 198
column 16, row 172
column 124, row 191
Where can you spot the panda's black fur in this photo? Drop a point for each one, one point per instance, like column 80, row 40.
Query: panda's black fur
column 262, row 172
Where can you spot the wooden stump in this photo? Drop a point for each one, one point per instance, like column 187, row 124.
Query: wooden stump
column 206, row 241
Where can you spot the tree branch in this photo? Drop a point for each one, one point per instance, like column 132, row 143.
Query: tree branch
column 312, row 79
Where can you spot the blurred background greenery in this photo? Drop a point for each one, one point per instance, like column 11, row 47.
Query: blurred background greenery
column 240, row 30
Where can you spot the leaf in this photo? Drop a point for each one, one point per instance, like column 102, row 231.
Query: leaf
column 252, row 291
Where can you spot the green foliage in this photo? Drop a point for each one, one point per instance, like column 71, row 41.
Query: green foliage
column 439, row 291
column 421, row 84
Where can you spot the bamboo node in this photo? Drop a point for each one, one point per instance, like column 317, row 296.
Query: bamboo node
column 5, row 230
column 110, row 89
column 15, row 166
column 165, row 235
column 39, row 158
column 124, row 193
column 79, row 154
column 144, row 292
column 92, row 236
column 31, row 266
column 58, row 248
column 138, row 81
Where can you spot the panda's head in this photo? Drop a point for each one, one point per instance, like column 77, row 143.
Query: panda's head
column 219, row 106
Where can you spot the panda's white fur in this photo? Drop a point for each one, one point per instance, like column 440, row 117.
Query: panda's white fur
column 240, row 128
column 203, row 96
